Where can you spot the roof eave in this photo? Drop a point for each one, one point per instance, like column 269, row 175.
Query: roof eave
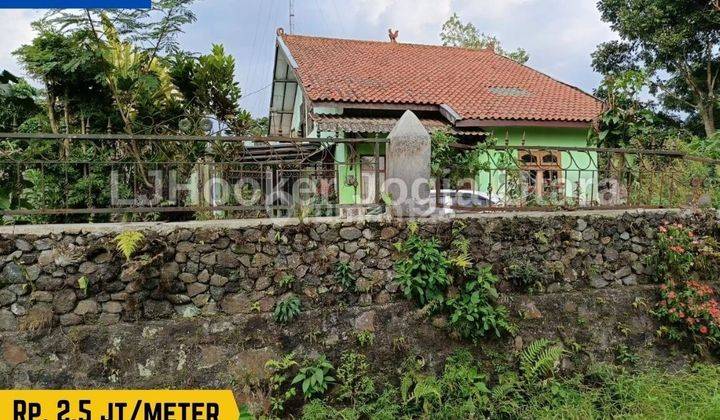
column 375, row 105
column 283, row 46
column 482, row 123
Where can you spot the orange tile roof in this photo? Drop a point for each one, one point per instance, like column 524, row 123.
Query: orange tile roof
column 476, row 84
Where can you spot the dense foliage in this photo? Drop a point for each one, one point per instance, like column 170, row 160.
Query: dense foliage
column 112, row 71
column 467, row 388
column 676, row 43
column 458, row 34
column 475, row 312
column 686, row 265
column 425, row 272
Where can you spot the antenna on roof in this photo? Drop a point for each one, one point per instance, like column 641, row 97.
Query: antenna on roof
column 292, row 17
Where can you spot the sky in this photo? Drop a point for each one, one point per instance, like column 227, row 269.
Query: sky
column 559, row 35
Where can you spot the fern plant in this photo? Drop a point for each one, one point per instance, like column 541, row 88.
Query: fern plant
column 287, row 310
column 540, row 360
column 129, row 242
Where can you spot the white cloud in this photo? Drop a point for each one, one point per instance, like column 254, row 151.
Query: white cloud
column 491, row 9
column 16, row 31
column 417, row 20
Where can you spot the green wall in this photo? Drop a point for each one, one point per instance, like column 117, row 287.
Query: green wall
column 579, row 168
column 350, row 194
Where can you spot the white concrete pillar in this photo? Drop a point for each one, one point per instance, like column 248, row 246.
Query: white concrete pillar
column 408, row 168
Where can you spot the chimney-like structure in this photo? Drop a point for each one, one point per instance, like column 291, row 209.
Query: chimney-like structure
column 393, row 35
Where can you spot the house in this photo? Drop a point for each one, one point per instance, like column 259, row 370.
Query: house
column 340, row 88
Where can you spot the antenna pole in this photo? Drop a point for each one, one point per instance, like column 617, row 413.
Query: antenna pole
column 292, row 16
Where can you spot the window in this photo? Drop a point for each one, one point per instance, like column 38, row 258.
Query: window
column 542, row 173
column 367, row 176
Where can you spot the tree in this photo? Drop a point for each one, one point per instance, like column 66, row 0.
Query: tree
column 71, row 74
column 455, row 33
column 626, row 117
column 154, row 31
column 18, row 101
column 676, row 42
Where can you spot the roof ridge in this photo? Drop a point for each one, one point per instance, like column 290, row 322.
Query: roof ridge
column 375, row 41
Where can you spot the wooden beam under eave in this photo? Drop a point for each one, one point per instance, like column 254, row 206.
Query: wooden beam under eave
column 522, row 123
column 378, row 106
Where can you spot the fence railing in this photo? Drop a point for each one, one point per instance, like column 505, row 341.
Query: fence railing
column 537, row 177
column 49, row 178
column 63, row 178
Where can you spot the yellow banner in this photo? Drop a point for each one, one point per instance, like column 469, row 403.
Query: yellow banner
column 118, row 405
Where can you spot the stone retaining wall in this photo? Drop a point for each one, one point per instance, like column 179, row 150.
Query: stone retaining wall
column 192, row 307
column 205, row 271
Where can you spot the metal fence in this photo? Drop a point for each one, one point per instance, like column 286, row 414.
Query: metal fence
column 66, row 178
column 535, row 177
column 46, row 178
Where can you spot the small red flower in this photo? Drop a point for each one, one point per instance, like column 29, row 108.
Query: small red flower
column 703, row 330
column 681, row 315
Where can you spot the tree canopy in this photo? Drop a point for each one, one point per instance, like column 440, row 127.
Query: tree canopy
column 455, row 33
column 676, row 43
column 123, row 70
column 17, row 101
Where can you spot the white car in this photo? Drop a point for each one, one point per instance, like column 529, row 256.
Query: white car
column 453, row 201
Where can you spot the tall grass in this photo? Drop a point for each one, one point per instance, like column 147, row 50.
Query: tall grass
column 693, row 394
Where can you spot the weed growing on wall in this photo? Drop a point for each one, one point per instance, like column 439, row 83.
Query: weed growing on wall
column 475, row 312
column 354, row 383
column 286, row 310
column 525, row 275
column 279, row 391
column 129, row 242
column 344, row 275
column 425, row 272
column 315, row 378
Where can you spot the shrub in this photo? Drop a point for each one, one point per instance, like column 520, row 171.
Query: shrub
column 524, row 275
column 315, row 378
column 344, row 275
column 475, row 312
column 287, row 310
column 690, row 308
column 423, row 273
column 354, row 383
column 674, row 253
